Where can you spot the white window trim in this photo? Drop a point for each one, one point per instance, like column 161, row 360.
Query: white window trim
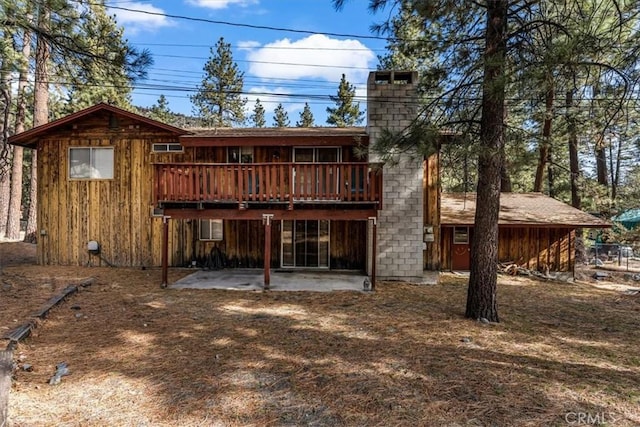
column 240, row 148
column 91, row 157
column 156, row 147
column 315, row 152
column 460, row 242
column 216, row 232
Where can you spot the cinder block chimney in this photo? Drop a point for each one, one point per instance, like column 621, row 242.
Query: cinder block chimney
column 392, row 104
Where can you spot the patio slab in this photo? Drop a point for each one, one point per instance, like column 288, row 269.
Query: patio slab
column 252, row 280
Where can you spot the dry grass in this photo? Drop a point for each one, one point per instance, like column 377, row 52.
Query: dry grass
column 404, row 355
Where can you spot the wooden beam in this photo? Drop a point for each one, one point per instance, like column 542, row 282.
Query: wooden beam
column 165, row 251
column 283, row 214
column 266, row 220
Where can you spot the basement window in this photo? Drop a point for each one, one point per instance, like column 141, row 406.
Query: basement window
column 211, row 229
column 172, row 147
column 90, row 163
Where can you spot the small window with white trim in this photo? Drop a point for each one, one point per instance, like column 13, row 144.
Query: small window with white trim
column 170, row 147
column 460, row 235
column 91, row 163
column 211, row 229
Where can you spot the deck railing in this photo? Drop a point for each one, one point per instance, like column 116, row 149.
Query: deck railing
column 268, row 182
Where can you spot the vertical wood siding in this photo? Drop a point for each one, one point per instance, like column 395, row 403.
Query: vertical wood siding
column 532, row 248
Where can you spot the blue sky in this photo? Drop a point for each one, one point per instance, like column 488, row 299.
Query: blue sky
column 279, row 66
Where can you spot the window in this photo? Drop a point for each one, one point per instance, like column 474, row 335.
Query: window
column 91, row 163
column 171, row 147
column 211, row 229
column 460, row 235
column 240, row 155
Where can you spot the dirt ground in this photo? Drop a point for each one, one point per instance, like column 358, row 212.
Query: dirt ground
column 139, row 355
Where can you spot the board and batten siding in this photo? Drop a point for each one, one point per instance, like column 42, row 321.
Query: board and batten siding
column 114, row 212
column 534, row 248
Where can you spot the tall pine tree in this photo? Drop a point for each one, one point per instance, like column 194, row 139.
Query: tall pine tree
column 306, row 117
column 257, row 118
column 280, row 117
column 219, row 100
column 346, row 112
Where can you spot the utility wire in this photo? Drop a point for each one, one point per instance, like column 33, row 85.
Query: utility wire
column 236, row 24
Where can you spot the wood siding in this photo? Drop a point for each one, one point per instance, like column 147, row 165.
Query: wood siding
column 529, row 247
column 117, row 212
column 243, row 244
column 114, row 212
column 431, row 208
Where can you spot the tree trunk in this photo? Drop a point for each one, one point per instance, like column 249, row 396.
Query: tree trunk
column 545, row 147
column 15, row 212
column 505, row 178
column 574, row 164
column 550, row 173
column 601, row 161
column 6, row 371
column 615, row 168
column 5, row 149
column 5, row 190
column 40, row 117
column 481, row 295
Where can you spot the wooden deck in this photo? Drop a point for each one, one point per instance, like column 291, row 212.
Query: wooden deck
column 270, row 183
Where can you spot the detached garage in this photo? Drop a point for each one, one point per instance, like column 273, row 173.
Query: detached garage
column 536, row 232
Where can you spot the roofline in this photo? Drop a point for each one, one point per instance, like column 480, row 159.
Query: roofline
column 28, row 138
column 273, row 140
column 531, row 225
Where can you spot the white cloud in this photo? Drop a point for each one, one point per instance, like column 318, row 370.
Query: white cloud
column 248, row 45
column 221, row 4
column 316, row 56
column 148, row 19
column 270, row 102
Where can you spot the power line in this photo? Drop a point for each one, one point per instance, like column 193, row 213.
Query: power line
column 236, row 24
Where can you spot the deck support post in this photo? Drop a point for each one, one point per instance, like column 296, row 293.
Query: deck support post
column 266, row 220
column 165, row 251
column 374, row 249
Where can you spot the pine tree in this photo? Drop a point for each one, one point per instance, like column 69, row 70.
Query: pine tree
column 306, row 117
column 346, row 112
column 219, row 100
column 280, row 117
column 160, row 111
column 257, row 118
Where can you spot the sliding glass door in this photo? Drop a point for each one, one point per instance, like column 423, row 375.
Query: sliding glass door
column 305, row 243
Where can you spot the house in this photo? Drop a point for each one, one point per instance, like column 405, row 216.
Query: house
column 535, row 231
column 148, row 194
column 119, row 188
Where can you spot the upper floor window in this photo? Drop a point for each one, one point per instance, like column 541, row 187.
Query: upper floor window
column 171, row 147
column 316, row 154
column 91, row 163
column 240, row 155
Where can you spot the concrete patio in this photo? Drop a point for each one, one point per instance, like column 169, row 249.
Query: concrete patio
column 253, row 279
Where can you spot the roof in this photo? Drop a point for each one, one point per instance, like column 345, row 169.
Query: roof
column 320, row 136
column 30, row 137
column 228, row 132
column 628, row 218
column 518, row 209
